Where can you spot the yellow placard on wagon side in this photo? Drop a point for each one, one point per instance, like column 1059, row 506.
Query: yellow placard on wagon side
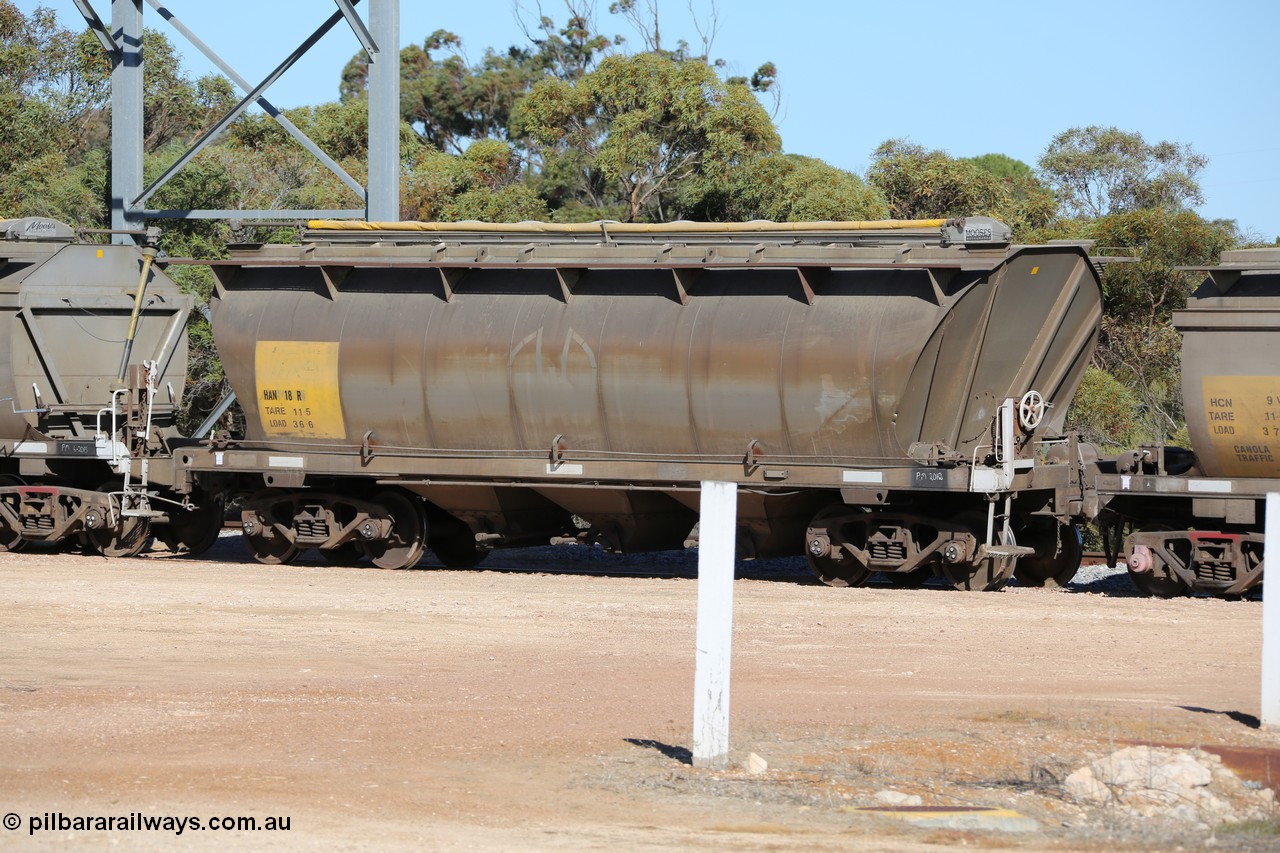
column 1242, row 414
column 298, row 389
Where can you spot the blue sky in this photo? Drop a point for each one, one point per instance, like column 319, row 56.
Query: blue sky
column 968, row 78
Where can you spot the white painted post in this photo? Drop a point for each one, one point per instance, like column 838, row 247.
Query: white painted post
column 1271, row 616
column 718, row 522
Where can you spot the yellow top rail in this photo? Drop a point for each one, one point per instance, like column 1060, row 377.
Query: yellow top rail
column 761, row 226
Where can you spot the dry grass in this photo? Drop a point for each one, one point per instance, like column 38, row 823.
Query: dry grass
column 1247, row 829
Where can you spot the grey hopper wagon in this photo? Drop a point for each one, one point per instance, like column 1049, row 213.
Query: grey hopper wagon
column 880, row 391
column 1190, row 520
column 92, row 368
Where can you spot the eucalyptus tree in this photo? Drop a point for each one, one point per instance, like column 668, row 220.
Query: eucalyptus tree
column 1100, row 170
column 636, row 128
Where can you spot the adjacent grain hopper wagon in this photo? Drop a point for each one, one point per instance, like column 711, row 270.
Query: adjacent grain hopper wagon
column 93, row 356
column 889, row 397
column 1195, row 519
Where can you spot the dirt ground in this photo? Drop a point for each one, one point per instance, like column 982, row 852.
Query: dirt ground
column 545, row 702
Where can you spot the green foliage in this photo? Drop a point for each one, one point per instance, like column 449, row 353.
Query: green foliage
column 1058, row 229
column 516, row 203
column 49, row 92
column 783, row 188
column 645, row 124
column 269, row 169
column 1139, row 345
column 1096, row 171
column 620, row 160
column 1002, row 166
column 1145, row 358
column 451, row 102
column 763, row 78
column 570, row 51
column 1106, row 412
column 490, row 191
column 814, row 190
column 430, row 186
column 64, row 75
column 1033, row 204
column 203, row 183
column 206, row 380
column 482, row 184
column 647, row 23
column 340, row 129
column 47, row 184
column 579, row 211
column 489, row 164
column 922, row 184
column 1148, row 290
column 175, row 107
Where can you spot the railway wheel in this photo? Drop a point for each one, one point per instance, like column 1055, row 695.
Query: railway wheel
column 1157, row 586
column 1161, row 581
column 271, row 551
column 1058, row 553
column 404, row 546
column 129, row 538
column 10, row 541
column 986, row 575
column 833, row 564
column 192, row 531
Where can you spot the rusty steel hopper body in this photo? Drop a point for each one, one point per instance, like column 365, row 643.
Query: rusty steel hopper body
column 66, row 307
column 495, row 371
column 93, row 362
column 811, row 348
column 1195, row 518
column 1231, row 367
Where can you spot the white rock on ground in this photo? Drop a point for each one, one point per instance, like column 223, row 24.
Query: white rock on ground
column 1084, row 788
column 897, row 798
column 1177, row 784
column 1148, row 767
